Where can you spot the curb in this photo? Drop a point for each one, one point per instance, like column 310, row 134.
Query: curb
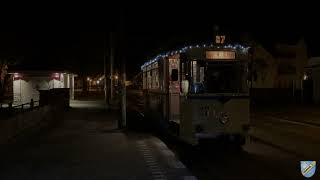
column 303, row 123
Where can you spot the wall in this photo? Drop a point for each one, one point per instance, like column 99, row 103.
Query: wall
column 71, row 86
column 25, row 123
column 66, row 78
column 265, row 68
column 267, row 65
column 27, row 88
column 56, row 84
column 273, row 85
column 298, row 60
column 271, row 95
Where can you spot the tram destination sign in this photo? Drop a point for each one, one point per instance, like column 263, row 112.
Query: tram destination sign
column 221, row 55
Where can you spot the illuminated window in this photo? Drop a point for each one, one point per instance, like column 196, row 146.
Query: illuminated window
column 201, row 74
column 194, row 71
column 154, row 79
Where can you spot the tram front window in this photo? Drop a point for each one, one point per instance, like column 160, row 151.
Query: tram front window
column 223, row 78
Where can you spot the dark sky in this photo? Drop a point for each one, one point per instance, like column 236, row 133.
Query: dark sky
column 143, row 32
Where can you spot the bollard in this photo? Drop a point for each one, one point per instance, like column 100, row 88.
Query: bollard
column 31, row 104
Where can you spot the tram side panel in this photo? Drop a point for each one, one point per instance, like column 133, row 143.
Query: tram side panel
column 174, row 93
column 156, row 108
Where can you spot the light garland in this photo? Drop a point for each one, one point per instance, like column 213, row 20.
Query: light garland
column 238, row 47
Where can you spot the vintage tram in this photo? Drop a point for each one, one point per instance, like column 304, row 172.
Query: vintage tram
column 199, row 93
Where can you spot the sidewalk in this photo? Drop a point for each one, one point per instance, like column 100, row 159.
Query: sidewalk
column 87, row 145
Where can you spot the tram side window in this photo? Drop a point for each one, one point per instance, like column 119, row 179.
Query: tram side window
column 155, row 78
column 194, row 71
column 198, row 72
column 144, row 80
column 174, row 75
column 182, row 77
column 201, row 70
column 149, row 79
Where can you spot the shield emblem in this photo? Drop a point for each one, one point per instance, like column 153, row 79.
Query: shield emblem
column 308, row 168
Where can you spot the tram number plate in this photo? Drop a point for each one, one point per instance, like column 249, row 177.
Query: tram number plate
column 204, row 111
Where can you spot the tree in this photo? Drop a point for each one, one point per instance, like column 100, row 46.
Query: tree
column 4, row 64
column 3, row 74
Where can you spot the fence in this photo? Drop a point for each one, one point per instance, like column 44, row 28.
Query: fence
column 280, row 95
column 8, row 109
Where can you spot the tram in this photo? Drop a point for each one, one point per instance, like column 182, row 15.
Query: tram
column 199, row 93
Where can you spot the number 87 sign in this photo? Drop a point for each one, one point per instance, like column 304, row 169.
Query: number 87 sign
column 220, row 39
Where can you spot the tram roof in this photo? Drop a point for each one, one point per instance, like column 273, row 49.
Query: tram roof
column 236, row 47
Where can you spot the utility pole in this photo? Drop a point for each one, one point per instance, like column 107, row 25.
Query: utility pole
column 123, row 76
column 111, row 67
column 123, row 96
column 105, row 68
column 302, row 92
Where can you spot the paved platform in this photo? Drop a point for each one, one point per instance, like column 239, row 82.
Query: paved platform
column 87, row 145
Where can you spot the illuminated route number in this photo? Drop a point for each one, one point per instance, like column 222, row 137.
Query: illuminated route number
column 220, row 39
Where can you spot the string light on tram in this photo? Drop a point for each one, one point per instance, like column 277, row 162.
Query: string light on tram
column 238, row 47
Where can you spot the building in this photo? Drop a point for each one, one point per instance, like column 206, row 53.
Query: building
column 26, row 84
column 283, row 67
column 279, row 71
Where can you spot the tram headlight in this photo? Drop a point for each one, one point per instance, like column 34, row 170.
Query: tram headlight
column 224, row 118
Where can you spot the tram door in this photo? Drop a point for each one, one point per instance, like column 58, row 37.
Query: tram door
column 174, row 90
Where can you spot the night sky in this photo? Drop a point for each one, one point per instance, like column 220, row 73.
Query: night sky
column 143, row 32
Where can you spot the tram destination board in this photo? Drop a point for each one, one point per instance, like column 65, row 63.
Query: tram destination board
column 221, row 55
